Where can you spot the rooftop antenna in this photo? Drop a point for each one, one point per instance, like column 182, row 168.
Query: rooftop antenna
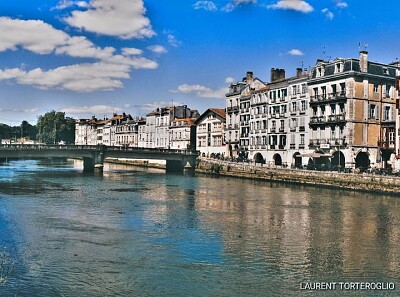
column 365, row 45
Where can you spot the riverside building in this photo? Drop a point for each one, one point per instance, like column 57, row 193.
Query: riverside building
column 352, row 112
column 211, row 133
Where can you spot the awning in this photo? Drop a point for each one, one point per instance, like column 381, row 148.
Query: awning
column 315, row 155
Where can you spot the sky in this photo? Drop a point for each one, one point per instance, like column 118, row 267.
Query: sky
column 96, row 57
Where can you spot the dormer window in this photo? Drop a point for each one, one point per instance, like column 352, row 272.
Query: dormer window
column 338, row 67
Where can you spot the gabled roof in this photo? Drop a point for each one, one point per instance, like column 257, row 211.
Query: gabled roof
column 220, row 112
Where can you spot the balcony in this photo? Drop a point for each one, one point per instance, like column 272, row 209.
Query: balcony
column 272, row 147
column 232, row 109
column 317, row 120
column 281, row 130
column 292, row 129
column 302, row 128
column 331, row 97
column 337, row 118
column 302, row 146
column 292, row 146
column 281, row 147
column 272, row 130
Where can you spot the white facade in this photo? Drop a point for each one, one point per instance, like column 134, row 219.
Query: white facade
column 210, row 133
column 182, row 134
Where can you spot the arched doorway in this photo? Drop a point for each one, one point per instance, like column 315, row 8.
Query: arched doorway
column 321, row 162
column 337, row 160
column 277, row 160
column 297, row 160
column 362, row 161
column 258, row 158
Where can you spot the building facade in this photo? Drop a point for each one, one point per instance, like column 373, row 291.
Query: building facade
column 211, row 133
column 352, row 113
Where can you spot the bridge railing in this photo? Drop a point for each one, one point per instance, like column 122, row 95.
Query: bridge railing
column 95, row 148
column 46, row 147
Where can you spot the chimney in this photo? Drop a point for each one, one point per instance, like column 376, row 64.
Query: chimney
column 277, row 74
column 249, row 76
column 299, row 72
column 363, row 61
column 273, row 75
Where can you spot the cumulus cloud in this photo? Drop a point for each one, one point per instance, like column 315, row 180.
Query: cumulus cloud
column 200, row 91
column 235, row 3
column 32, row 35
column 158, row 49
column 329, row 15
column 229, row 80
column 94, row 109
column 341, row 4
column 130, row 51
column 80, row 77
column 38, row 37
column 295, row 52
column 206, row 5
column 297, row 5
column 122, row 18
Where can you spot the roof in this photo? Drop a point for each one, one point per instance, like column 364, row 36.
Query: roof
column 218, row 111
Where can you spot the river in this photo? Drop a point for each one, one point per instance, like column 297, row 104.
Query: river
column 140, row 232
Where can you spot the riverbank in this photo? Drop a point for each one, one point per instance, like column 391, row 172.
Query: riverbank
column 347, row 181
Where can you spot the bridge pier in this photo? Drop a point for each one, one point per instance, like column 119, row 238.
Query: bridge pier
column 174, row 166
column 88, row 165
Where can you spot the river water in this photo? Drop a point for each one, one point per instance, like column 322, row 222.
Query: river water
column 141, row 232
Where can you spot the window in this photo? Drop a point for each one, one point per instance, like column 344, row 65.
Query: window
column 302, row 139
column 387, row 92
column 373, row 111
column 294, row 105
column 376, row 88
column 304, row 88
column 303, row 105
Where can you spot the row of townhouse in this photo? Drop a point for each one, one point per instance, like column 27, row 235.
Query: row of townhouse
column 173, row 127
column 342, row 113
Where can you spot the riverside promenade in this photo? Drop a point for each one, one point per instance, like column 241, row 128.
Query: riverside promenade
column 384, row 184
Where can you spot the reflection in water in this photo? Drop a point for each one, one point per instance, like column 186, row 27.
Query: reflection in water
column 141, row 232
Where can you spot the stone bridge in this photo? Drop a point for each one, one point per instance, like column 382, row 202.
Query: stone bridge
column 93, row 155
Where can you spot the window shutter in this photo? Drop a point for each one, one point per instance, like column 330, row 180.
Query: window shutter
column 377, row 112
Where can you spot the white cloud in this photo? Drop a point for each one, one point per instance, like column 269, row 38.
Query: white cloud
column 200, row 91
column 158, row 49
column 206, row 5
column 94, row 109
column 329, row 15
column 80, row 77
column 229, row 80
column 42, row 38
column 79, row 46
column 130, row 51
column 33, row 35
column 295, row 52
column 19, row 110
column 341, row 4
column 297, row 5
column 123, row 18
column 235, row 3
column 69, row 3
column 104, row 74
column 172, row 40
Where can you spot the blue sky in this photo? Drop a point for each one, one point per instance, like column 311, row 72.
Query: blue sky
column 96, row 57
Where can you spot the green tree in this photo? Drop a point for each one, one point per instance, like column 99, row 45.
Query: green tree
column 54, row 127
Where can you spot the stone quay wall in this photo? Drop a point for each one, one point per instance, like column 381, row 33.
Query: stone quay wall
column 346, row 181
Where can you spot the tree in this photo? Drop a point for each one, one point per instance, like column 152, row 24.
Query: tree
column 53, row 127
